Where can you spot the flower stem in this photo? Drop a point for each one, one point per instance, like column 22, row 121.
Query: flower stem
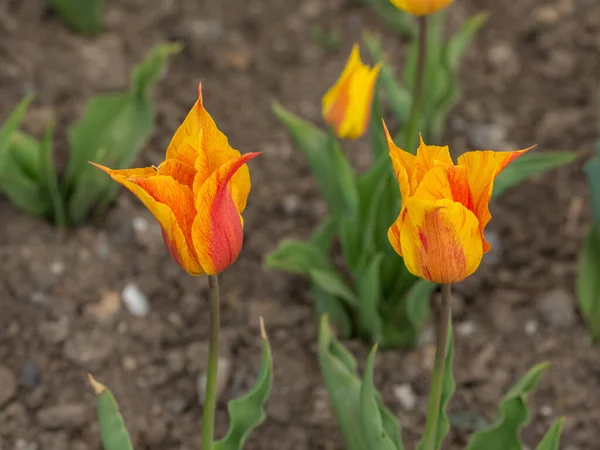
column 210, row 398
column 437, row 377
column 415, row 111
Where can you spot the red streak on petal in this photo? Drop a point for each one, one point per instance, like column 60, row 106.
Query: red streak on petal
column 423, row 239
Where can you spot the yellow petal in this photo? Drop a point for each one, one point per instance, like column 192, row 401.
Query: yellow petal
column 428, row 157
column 171, row 203
column 482, row 168
column 403, row 164
column 217, row 229
column 420, row 7
column 446, row 182
column 347, row 105
column 440, row 240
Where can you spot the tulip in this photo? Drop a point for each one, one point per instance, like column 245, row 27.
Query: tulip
column 439, row 230
column 347, row 105
column 421, row 7
column 197, row 194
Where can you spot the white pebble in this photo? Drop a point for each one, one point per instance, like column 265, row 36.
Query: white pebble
column 135, row 300
column 531, row 327
column 140, row 224
column 57, row 268
column 546, row 410
column 406, row 396
column 465, row 329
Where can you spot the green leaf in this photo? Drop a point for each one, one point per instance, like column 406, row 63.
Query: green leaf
column 112, row 131
column 81, row 16
column 528, row 165
column 331, row 282
column 592, row 171
column 247, row 412
column 326, row 161
column 459, row 41
column 448, row 388
column 112, row 428
column 11, row 124
column 334, row 308
column 338, row 368
column 417, row 302
column 551, row 440
column 504, row 433
column 398, row 20
column 379, row 145
column 368, row 285
column 380, row 427
column 588, row 282
column 297, row 257
column 49, row 181
column 322, row 237
column 25, row 152
column 397, row 94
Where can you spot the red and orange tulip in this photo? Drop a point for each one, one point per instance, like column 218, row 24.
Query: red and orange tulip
column 197, row 194
column 421, row 7
column 439, row 231
column 347, row 105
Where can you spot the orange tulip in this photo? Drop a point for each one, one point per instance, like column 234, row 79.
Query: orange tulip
column 421, row 7
column 197, row 194
column 347, row 105
column 439, row 231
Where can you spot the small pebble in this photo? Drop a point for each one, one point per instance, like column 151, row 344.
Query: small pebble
column 406, row 396
column 135, row 300
column 465, row 329
column 531, row 327
column 546, row 410
column 57, row 268
column 31, row 374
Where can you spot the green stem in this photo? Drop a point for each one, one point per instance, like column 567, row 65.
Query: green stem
column 210, row 398
column 415, row 112
column 437, row 377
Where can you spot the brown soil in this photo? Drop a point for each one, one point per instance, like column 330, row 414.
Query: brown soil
column 531, row 76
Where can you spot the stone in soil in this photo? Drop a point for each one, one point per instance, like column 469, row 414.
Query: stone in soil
column 8, row 385
column 89, row 347
column 67, row 416
column 556, row 308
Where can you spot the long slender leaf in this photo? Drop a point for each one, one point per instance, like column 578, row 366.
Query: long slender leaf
column 504, row 433
column 588, row 282
column 112, row 428
column 551, row 440
column 49, row 181
column 10, row 125
column 247, row 412
column 82, row 16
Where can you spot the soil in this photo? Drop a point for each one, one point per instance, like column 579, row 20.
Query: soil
column 530, row 77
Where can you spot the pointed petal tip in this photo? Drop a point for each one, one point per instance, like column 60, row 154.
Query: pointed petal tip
column 200, row 92
column 99, row 388
column 101, row 167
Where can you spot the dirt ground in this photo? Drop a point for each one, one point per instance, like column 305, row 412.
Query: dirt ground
column 530, row 77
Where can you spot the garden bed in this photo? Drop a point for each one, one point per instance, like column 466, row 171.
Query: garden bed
column 530, row 78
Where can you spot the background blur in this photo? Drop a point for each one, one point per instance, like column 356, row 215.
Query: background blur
column 530, row 77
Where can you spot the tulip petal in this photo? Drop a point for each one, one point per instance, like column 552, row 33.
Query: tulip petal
column 428, row 157
column 335, row 101
column 440, row 240
column 449, row 182
column 403, row 164
column 421, row 7
column 217, row 229
column 482, row 168
column 181, row 172
column 171, row 203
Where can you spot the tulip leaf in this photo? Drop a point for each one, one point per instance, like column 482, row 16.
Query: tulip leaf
column 49, row 181
column 322, row 237
column 112, row 131
column 349, row 396
column 396, row 19
column 417, row 302
column 326, row 161
column 333, row 307
column 528, row 165
column 592, row 171
column 588, row 282
column 247, row 412
column 379, row 146
column 551, row 440
column 331, row 282
column 81, row 16
column 10, row 126
column 504, row 433
column 396, row 93
column 380, row 427
column 448, row 388
column 25, row 152
column 112, row 427
column 368, row 284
